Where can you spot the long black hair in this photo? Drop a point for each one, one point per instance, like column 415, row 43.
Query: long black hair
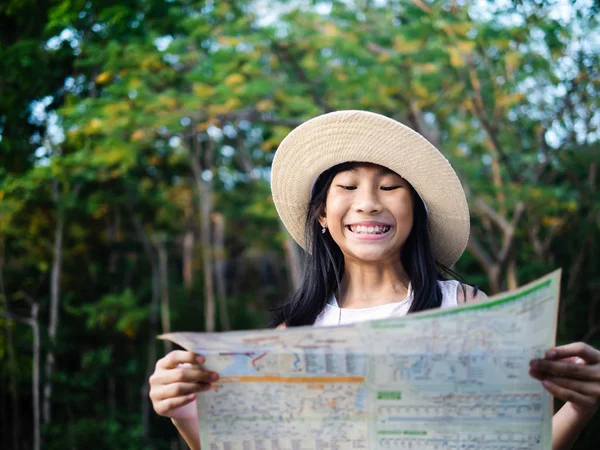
column 324, row 261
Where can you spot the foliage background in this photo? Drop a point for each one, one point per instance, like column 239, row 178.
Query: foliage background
column 135, row 146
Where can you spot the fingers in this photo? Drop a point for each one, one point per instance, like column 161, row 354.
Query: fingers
column 582, row 387
column 164, row 407
column 578, row 349
column 568, row 395
column 566, row 369
column 176, row 357
column 183, row 374
column 176, row 390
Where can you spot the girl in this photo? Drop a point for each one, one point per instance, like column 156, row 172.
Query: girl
column 382, row 215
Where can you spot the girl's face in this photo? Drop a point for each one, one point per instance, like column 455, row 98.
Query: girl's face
column 369, row 213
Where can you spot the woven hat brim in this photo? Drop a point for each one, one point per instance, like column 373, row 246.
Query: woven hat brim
column 361, row 136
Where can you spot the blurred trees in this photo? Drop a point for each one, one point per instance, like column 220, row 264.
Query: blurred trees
column 136, row 141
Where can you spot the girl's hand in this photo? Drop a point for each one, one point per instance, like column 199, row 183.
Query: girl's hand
column 572, row 373
column 174, row 384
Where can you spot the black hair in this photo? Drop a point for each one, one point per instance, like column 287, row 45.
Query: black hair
column 324, row 262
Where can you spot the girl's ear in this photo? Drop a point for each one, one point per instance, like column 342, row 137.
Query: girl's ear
column 323, row 217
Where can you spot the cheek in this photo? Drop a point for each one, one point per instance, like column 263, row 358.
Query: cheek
column 334, row 211
column 404, row 210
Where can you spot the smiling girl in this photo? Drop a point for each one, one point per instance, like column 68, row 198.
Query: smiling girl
column 382, row 216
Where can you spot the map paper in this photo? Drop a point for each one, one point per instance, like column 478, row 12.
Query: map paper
column 441, row 379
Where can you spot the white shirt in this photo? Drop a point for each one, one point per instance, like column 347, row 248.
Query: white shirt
column 332, row 314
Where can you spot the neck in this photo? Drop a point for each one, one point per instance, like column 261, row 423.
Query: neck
column 366, row 286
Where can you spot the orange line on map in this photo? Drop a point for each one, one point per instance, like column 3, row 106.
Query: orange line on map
column 274, row 379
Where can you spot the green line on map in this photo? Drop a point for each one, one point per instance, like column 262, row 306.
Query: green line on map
column 391, row 323
column 389, row 395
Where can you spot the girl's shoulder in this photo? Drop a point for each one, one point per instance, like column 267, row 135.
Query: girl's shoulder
column 466, row 293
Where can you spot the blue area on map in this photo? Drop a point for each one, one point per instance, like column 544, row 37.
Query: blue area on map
column 360, row 399
column 297, row 361
column 241, row 365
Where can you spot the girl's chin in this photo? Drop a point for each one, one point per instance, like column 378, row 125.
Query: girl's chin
column 370, row 257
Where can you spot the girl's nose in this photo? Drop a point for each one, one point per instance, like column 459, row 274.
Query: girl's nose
column 367, row 202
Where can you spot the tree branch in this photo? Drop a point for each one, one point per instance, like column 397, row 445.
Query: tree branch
column 486, row 209
column 480, row 254
column 16, row 318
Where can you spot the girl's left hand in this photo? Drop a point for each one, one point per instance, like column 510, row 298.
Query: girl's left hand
column 572, row 373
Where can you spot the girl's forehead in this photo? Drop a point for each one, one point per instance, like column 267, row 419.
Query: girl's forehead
column 368, row 167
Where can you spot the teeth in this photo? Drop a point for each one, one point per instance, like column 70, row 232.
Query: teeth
column 360, row 229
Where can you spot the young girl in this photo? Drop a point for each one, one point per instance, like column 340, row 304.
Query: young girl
column 381, row 214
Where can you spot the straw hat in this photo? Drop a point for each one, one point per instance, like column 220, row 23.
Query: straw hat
column 362, row 136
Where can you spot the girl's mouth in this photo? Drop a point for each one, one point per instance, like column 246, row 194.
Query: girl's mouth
column 369, row 230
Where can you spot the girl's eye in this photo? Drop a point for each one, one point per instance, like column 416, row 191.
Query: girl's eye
column 348, row 188
column 389, row 188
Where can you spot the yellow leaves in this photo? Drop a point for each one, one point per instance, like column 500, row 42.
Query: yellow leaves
column 552, row 222
column 231, row 104
column 461, row 28
column 104, row 77
column 456, row 59
column 202, row 90
column 1, row 194
column 117, row 109
column 151, row 62
column 420, row 90
column 465, row 46
column 280, row 95
column 403, row 46
column 331, row 30
column 93, row 126
column 129, row 332
column 384, row 57
column 279, row 133
column 390, row 90
column 341, row 77
column 427, row 68
column 134, row 83
column 511, row 62
column 310, row 62
column 268, row 145
column 100, row 211
column 137, row 136
column 234, row 79
column 228, row 41
column 509, row 99
column 265, row 105
column 571, row 206
column 166, row 102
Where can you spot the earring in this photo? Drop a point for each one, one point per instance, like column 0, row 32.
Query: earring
column 324, row 230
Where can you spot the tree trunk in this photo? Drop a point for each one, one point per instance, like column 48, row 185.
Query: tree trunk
column 33, row 323
column 188, row 258
column 163, row 267
column 219, row 255
column 293, row 260
column 205, row 200
column 511, row 275
column 154, row 306
column 204, row 191
column 12, row 369
column 54, row 301
column 36, row 377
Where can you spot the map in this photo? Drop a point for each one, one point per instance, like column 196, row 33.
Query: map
column 453, row 379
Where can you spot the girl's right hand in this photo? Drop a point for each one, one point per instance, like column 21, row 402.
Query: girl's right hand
column 175, row 381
